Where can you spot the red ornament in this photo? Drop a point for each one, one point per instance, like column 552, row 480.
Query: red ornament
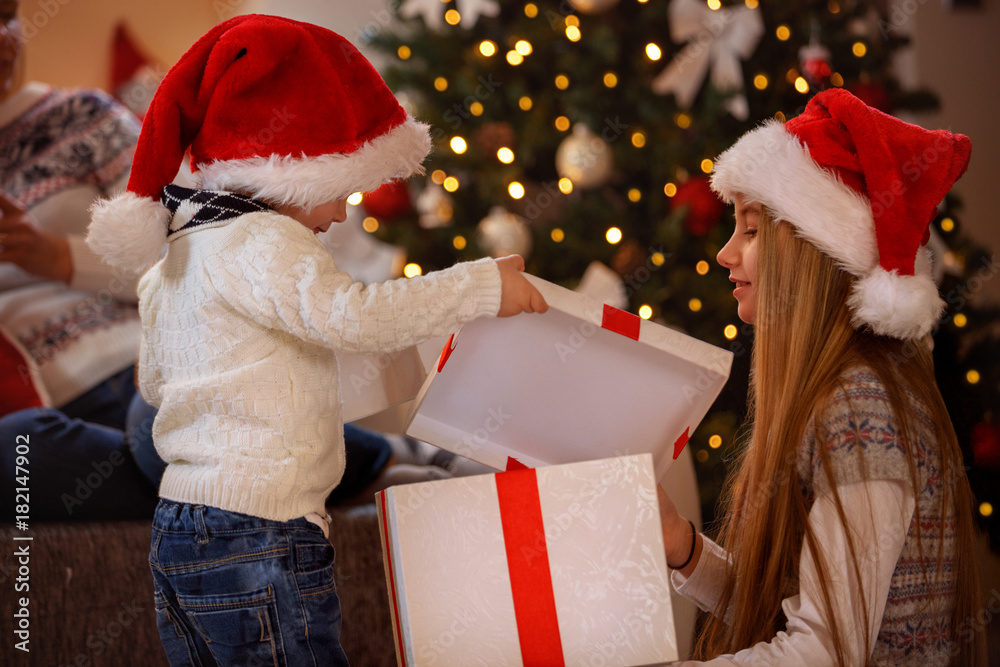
column 986, row 444
column 704, row 208
column 389, row 201
column 815, row 62
column 817, row 71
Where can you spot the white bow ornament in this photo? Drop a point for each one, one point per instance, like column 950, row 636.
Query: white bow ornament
column 719, row 39
column 433, row 14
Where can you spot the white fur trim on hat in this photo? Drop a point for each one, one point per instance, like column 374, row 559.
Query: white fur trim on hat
column 128, row 231
column 894, row 305
column 772, row 167
column 310, row 181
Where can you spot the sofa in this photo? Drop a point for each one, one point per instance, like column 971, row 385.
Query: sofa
column 91, row 600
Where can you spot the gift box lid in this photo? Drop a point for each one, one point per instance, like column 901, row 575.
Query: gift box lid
column 580, row 382
column 549, row 566
column 373, row 383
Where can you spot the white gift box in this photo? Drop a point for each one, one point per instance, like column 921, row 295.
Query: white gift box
column 373, row 383
column 561, row 565
column 583, row 381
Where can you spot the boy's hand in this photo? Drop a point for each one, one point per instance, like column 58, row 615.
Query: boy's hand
column 518, row 295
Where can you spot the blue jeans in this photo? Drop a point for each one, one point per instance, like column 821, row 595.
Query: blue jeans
column 80, row 458
column 231, row 589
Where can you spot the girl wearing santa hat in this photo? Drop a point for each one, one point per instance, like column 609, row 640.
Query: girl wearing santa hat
column 847, row 535
column 241, row 316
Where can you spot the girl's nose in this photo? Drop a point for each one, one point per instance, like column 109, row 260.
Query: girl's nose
column 727, row 256
column 340, row 212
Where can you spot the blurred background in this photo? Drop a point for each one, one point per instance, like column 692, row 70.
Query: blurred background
column 580, row 134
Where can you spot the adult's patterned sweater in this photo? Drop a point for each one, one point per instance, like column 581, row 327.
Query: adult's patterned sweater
column 59, row 151
column 241, row 323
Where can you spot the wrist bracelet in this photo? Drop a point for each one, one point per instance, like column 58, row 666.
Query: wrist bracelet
column 694, row 539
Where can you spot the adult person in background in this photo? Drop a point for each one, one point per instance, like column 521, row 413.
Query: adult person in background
column 69, row 326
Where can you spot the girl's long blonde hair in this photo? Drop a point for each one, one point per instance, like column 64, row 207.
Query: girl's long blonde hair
column 804, row 342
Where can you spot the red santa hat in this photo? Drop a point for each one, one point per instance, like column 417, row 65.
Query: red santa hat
column 281, row 110
column 863, row 187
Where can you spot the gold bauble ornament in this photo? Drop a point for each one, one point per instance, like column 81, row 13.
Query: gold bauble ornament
column 502, row 233
column 584, row 158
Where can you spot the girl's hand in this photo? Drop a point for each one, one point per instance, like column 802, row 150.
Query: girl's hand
column 518, row 295
column 677, row 534
column 30, row 248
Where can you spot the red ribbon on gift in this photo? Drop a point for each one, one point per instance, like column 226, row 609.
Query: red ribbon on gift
column 681, row 440
column 621, row 322
column 514, row 464
column 446, row 352
column 528, row 564
column 386, row 541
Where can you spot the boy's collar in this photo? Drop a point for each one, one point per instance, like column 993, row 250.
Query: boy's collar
column 203, row 209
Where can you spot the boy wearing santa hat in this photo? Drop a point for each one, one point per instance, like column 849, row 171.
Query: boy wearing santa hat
column 241, row 316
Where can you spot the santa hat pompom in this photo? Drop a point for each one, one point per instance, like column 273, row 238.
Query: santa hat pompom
column 894, row 305
column 128, row 231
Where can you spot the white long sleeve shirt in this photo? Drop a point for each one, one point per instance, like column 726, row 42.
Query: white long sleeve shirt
column 879, row 513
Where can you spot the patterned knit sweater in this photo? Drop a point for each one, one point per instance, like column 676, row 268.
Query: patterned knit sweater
column 241, row 321
column 59, row 151
column 862, row 435
column 914, row 628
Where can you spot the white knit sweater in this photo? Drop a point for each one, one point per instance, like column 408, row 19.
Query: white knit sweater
column 240, row 323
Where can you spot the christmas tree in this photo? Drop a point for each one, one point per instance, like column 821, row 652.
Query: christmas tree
column 583, row 131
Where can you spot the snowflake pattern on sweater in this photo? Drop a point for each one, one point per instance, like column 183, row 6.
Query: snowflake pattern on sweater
column 59, row 150
column 862, row 441
column 68, row 137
